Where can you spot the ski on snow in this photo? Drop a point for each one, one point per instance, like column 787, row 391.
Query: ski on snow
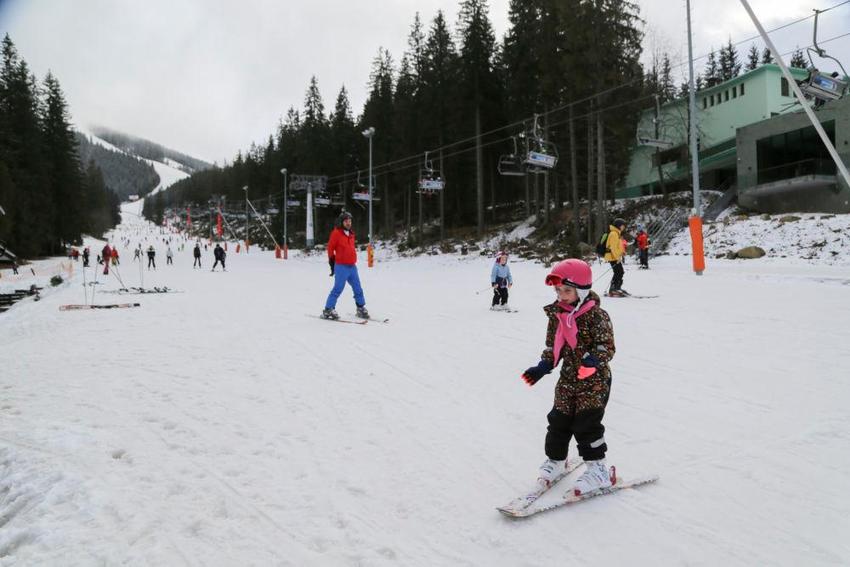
column 341, row 320
column 112, row 306
column 373, row 319
column 571, row 498
column 618, row 296
column 516, row 506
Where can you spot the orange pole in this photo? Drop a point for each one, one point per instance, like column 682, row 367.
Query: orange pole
column 698, row 255
column 370, row 255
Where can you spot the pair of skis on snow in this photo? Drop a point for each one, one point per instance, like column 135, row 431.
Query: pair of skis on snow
column 352, row 320
column 525, row 505
column 110, row 306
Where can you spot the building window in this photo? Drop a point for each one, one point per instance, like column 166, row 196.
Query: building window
column 712, row 100
column 727, row 95
column 704, row 102
column 783, row 86
column 742, row 89
column 735, row 91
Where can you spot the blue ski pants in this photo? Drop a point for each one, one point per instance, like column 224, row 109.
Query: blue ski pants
column 345, row 273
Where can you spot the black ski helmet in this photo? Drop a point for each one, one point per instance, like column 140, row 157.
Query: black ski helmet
column 342, row 216
column 619, row 223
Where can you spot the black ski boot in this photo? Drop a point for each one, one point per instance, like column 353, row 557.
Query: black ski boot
column 330, row 314
column 361, row 312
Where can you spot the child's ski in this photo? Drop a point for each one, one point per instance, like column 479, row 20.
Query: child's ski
column 617, row 295
column 112, row 306
column 517, row 505
column 571, row 498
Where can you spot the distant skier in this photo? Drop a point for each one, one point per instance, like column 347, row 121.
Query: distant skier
column 197, row 253
column 219, row 255
column 642, row 241
column 342, row 258
column 169, row 256
column 86, row 256
column 579, row 332
column 501, row 280
column 115, row 261
column 15, row 267
column 614, row 256
column 105, row 256
column 137, row 255
column 151, row 257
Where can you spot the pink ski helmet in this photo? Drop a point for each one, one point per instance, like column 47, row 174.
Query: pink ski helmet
column 573, row 272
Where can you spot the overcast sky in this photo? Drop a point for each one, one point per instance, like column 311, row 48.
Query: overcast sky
column 208, row 77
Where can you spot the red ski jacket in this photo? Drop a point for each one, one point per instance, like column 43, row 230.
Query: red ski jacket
column 106, row 252
column 341, row 248
column 642, row 241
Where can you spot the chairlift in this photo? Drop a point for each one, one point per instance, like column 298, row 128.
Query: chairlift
column 510, row 164
column 430, row 180
column 541, row 155
column 361, row 191
column 338, row 199
column 322, row 200
column 820, row 86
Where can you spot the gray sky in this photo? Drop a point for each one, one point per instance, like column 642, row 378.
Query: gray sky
column 208, row 77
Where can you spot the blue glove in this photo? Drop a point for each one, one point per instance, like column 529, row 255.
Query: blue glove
column 589, row 364
column 590, row 360
column 535, row 373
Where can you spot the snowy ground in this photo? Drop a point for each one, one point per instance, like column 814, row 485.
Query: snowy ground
column 224, row 426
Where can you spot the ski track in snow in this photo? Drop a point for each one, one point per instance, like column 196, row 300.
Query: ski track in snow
column 221, row 427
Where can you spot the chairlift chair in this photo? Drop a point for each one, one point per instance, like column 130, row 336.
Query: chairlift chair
column 322, row 200
column 820, row 86
column 430, row 180
column 541, row 155
column 510, row 164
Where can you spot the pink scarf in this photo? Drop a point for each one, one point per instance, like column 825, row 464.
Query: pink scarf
column 568, row 326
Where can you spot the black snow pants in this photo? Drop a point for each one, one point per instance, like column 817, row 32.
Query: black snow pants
column 617, row 280
column 500, row 296
column 586, row 426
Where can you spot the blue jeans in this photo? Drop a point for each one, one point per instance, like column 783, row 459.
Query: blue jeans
column 345, row 273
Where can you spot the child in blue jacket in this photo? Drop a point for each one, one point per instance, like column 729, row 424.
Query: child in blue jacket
column 500, row 279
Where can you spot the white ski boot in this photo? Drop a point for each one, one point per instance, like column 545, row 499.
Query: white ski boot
column 595, row 477
column 550, row 470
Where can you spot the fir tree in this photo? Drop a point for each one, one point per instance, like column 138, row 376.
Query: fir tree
column 712, row 70
column 729, row 65
column 766, row 56
column 752, row 58
column 798, row 60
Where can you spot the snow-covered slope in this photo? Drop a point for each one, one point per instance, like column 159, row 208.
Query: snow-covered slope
column 814, row 239
column 227, row 425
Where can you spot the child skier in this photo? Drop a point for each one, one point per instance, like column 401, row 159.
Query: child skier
column 579, row 332
column 642, row 241
column 501, row 280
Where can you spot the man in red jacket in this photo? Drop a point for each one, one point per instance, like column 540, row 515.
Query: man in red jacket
column 342, row 257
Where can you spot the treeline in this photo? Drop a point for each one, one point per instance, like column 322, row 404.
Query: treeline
column 125, row 174
column 49, row 199
column 453, row 91
column 150, row 150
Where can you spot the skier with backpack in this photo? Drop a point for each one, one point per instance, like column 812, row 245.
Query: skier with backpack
column 610, row 248
column 579, row 333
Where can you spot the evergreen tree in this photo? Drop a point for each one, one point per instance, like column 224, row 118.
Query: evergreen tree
column 60, row 146
column 666, row 88
column 479, row 86
column 712, row 70
column 752, row 58
column 766, row 56
column 729, row 65
column 798, row 60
